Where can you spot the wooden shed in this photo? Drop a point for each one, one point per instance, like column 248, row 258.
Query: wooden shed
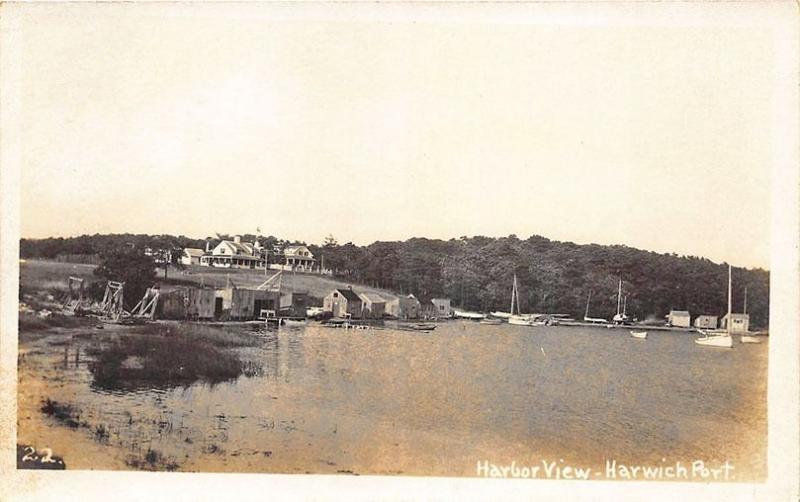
column 241, row 304
column 404, row 307
column 186, row 303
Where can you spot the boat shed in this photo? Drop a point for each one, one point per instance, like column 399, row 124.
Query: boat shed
column 186, row 303
column 342, row 303
column 404, row 307
column 740, row 323
column 679, row 319
column 374, row 305
column 705, row 321
column 442, row 307
column 242, row 304
column 295, row 304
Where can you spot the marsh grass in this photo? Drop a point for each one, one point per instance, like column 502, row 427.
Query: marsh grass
column 32, row 322
column 169, row 355
column 152, row 460
column 64, row 413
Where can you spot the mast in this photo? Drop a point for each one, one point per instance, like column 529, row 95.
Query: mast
column 625, row 306
column 588, row 297
column 728, row 324
column 745, row 301
column 513, row 293
column 619, row 295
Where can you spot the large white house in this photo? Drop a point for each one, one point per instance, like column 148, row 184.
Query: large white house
column 299, row 258
column 234, row 254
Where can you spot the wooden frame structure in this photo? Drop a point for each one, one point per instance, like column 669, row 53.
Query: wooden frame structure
column 112, row 306
column 75, row 297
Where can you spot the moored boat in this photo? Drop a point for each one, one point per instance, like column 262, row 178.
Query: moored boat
column 491, row 321
column 519, row 320
column 472, row 316
column 716, row 338
column 750, row 339
column 639, row 334
column 422, row 327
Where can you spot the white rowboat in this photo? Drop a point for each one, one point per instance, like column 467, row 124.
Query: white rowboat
column 639, row 334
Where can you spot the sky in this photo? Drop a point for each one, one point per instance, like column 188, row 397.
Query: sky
column 192, row 120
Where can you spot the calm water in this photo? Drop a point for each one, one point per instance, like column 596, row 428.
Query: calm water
column 432, row 404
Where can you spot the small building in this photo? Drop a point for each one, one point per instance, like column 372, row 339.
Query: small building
column 241, row 304
column 186, row 303
column 299, row 258
column 294, row 304
column 191, row 256
column 235, row 254
column 740, row 323
column 442, row 307
column 705, row 321
column 679, row 319
column 343, row 302
column 373, row 306
column 404, row 307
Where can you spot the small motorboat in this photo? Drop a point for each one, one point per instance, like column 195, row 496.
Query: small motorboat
column 715, row 339
column 639, row 334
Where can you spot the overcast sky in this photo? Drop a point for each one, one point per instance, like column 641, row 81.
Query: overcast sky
column 184, row 121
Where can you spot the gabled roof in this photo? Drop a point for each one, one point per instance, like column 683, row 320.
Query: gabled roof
column 193, row 251
column 372, row 298
column 292, row 251
column 241, row 248
column 349, row 294
column 678, row 312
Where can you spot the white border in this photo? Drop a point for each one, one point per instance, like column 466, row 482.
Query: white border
column 784, row 387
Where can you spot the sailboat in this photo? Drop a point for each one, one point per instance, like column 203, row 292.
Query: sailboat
column 716, row 338
column 621, row 317
column 593, row 320
column 516, row 319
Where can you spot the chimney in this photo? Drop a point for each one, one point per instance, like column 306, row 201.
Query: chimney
column 237, row 239
column 208, row 246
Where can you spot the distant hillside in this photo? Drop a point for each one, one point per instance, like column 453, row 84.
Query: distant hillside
column 477, row 272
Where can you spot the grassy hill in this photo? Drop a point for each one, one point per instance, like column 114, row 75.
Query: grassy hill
column 42, row 275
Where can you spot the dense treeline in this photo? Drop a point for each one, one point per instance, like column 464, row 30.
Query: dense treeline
column 477, row 272
column 555, row 277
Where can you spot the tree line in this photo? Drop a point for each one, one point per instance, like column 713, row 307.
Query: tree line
column 477, row 272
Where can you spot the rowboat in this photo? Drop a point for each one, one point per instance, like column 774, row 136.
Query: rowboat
column 491, row 321
column 639, row 334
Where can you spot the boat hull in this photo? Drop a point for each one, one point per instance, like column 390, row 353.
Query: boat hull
column 641, row 335
column 721, row 341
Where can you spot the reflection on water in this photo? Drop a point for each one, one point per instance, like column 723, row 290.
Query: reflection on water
column 386, row 401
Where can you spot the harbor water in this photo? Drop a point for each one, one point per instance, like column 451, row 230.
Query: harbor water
column 398, row 402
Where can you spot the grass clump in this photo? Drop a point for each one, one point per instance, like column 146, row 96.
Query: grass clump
column 152, row 460
column 64, row 413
